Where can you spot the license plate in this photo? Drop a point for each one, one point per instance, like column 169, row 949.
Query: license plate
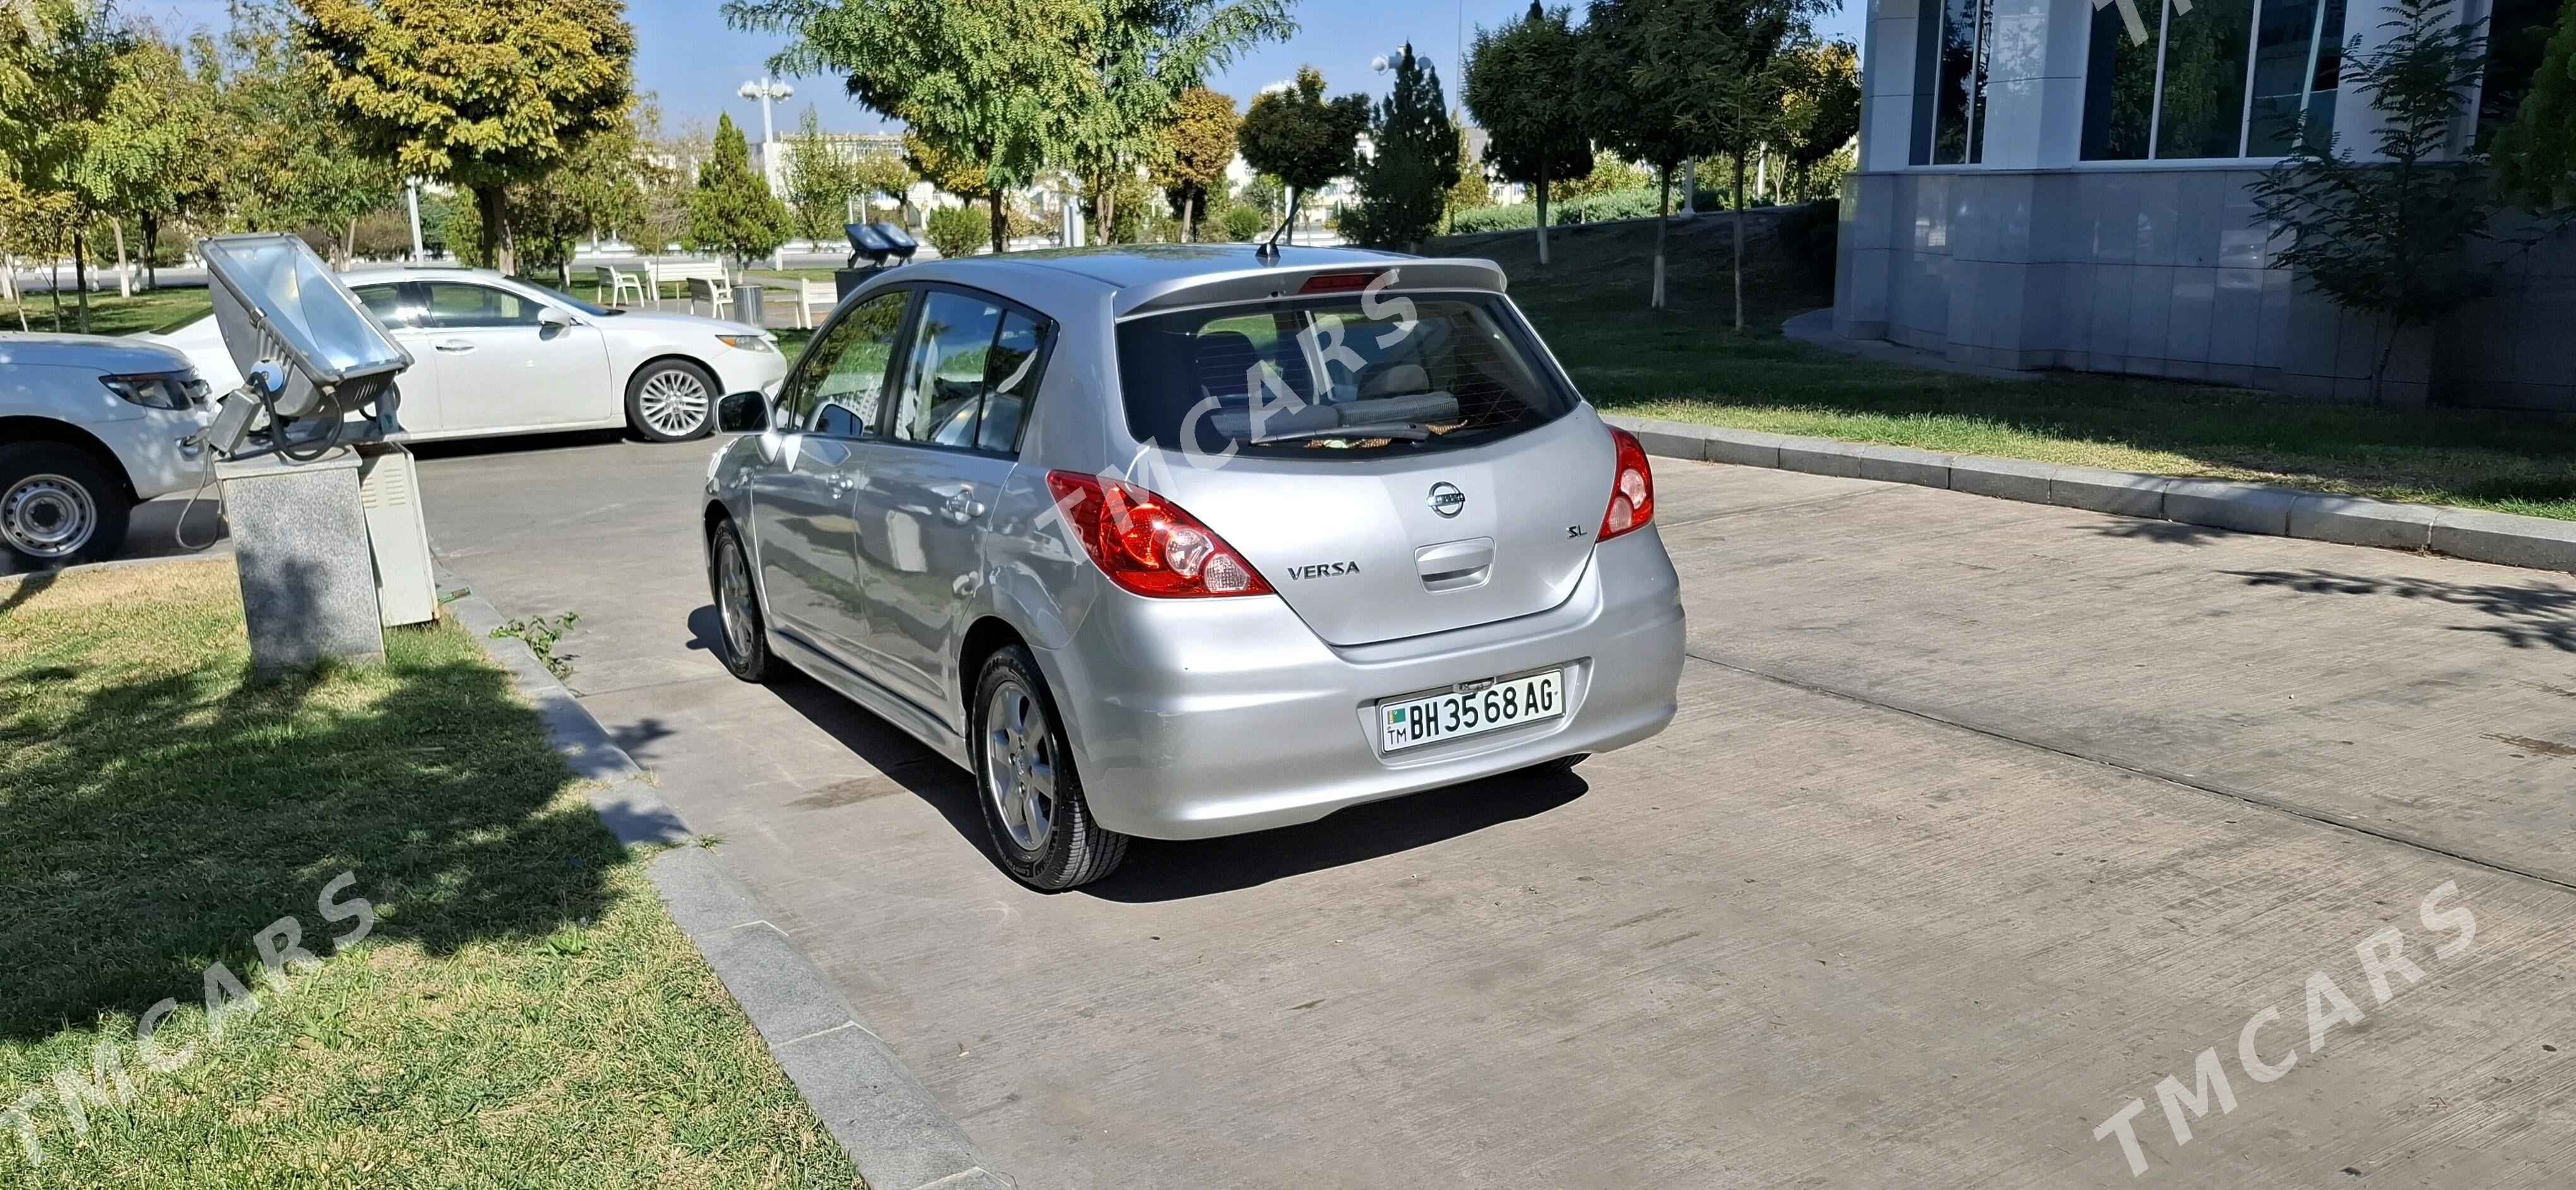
column 1413, row 722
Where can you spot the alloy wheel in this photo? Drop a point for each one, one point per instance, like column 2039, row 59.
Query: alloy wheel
column 1019, row 765
column 674, row 401
column 733, row 582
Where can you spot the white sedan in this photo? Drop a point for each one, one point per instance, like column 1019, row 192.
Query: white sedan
column 498, row 356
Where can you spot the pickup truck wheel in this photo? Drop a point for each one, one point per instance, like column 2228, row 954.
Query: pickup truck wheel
column 59, row 505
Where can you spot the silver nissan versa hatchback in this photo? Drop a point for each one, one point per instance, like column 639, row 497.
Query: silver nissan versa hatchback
column 1187, row 541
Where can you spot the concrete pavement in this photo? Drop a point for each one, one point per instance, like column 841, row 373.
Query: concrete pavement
column 1980, row 820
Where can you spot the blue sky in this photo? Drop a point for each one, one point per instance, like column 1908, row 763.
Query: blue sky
column 693, row 63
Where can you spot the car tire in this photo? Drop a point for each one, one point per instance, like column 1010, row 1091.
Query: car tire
column 1562, row 764
column 671, row 400
column 743, row 637
column 59, row 505
column 1026, row 784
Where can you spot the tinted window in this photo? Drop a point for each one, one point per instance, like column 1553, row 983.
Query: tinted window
column 970, row 373
column 839, row 385
column 1334, row 376
column 459, row 305
column 385, row 302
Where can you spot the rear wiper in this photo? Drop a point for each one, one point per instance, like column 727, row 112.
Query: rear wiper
column 1409, row 431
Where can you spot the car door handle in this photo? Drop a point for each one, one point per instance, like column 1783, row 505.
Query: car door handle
column 962, row 507
column 844, row 485
column 456, row 346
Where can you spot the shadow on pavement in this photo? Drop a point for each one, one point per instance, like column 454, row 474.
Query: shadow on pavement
column 1161, row 870
column 2535, row 614
column 514, row 443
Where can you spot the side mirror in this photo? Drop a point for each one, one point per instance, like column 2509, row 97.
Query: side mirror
column 742, row 413
column 552, row 319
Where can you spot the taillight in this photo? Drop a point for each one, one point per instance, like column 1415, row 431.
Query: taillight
column 1632, row 490
column 1147, row 544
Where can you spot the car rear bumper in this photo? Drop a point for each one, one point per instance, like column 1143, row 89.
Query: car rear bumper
column 1205, row 717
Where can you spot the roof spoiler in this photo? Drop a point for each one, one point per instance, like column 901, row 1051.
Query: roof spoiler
column 1410, row 274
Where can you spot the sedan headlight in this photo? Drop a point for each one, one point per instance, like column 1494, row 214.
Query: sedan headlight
column 749, row 342
column 177, row 391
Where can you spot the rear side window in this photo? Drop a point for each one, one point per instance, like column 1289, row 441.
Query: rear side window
column 969, row 373
column 1335, row 376
column 456, row 305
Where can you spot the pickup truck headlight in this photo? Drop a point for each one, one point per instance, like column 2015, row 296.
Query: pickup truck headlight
column 748, row 342
column 177, row 391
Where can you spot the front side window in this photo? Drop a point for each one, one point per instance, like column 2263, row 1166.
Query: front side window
column 459, row 305
column 1337, row 377
column 839, row 384
column 2209, row 79
column 970, row 373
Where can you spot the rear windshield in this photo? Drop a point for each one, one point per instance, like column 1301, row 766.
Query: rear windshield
column 1330, row 377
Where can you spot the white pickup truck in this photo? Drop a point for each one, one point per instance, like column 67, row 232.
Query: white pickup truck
column 89, row 426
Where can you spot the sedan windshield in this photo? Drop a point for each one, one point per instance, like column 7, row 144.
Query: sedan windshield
column 1327, row 377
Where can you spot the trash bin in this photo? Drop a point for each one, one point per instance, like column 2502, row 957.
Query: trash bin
column 747, row 304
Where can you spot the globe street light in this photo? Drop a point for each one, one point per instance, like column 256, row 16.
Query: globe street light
column 765, row 90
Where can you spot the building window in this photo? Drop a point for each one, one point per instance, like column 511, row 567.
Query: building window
column 2206, row 79
column 1951, row 129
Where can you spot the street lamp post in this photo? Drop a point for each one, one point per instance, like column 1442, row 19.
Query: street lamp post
column 767, row 91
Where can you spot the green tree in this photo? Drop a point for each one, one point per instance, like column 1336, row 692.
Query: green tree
column 1472, row 190
column 1721, row 67
column 1302, row 138
column 820, row 181
column 1631, row 120
column 2383, row 237
column 1824, row 108
column 992, row 86
column 953, row 231
column 477, row 93
column 2535, row 155
column 1534, row 124
column 733, row 212
column 54, row 89
column 884, row 173
column 1198, row 145
column 603, row 185
column 147, row 157
column 1141, row 57
column 1413, row 163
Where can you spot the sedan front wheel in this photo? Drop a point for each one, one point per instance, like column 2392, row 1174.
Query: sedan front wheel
column 671, row 400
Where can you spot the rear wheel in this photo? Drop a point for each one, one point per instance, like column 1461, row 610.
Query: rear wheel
column 746, row 645
column 1026, row 784
column 671, row 400
column 59, row 505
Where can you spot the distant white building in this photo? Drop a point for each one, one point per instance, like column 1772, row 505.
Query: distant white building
column 2062, row 184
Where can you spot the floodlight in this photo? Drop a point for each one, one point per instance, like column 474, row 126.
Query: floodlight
column 277, row 304
column 902, row 240
column 867, row 241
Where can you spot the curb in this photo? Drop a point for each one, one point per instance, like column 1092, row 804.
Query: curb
column 2505, row 539
column 900, row 1138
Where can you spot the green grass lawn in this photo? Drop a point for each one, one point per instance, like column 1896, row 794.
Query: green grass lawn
column 1687, row 364
column 109, row 314
column 522, row 1014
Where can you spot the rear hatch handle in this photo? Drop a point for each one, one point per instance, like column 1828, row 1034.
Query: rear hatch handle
column 1455, row 565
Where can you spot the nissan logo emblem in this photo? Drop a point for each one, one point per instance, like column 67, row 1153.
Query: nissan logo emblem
column 1446, row 499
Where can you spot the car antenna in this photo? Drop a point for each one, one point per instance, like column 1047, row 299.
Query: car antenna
column 1269, row 249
